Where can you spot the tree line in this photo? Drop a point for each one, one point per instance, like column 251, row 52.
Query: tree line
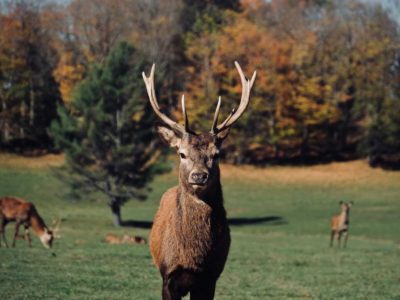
column 328, row 85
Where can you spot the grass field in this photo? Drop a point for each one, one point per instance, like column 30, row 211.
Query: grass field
column 280, row 232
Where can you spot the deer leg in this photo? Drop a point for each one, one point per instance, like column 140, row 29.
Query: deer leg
column 3, row 230
column 177, row 284
column 204, row 291
column 339, row 238
column 27, row 235
column 169, row 292
column 346, row 236
column 16, row 232
column 332, row 237
column 165, row 291
column 4, row 238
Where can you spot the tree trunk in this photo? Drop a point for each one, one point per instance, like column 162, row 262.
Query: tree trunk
column 5, row 130
column 304, row 144
column 116, row 212
column 22, row 110
column 31, row 103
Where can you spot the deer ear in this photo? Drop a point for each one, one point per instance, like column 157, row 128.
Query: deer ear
column 222, row 135
column 169, row 136
column 351, row 203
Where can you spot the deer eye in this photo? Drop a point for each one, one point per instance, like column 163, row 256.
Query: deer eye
column 183, row 156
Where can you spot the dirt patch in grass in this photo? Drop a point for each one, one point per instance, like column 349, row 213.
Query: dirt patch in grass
column 343, row 173
column 8, row 160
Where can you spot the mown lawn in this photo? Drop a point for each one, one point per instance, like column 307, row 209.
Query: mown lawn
column 280, row 233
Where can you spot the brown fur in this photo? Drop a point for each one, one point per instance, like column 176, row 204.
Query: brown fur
column 340, row 224
column 190, row 237
column 113, row 239
column 16, row 210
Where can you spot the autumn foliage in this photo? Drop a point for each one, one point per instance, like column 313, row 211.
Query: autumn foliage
column 328, row 72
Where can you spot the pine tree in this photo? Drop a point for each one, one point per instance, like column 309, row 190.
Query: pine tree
column 107, row 134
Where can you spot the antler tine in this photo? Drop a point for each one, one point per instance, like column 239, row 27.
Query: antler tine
column 149, row 82
column 153, row 92
column 185, row 117
column 228, row 118
column 215, row 121
column 244, row 101
column 55, row 226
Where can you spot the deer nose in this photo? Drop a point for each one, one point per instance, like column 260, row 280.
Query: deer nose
column 199, row 177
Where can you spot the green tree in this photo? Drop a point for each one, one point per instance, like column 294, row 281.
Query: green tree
column 377, row 88
column 107, row 135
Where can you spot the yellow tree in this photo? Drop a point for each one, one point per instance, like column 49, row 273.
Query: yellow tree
column 290, row 105
column 211, row 73
column 68, row 73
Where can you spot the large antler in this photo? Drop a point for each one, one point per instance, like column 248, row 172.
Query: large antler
column 149, row 81
column 235, row 113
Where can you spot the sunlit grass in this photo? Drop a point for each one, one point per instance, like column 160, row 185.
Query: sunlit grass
column 280, row 235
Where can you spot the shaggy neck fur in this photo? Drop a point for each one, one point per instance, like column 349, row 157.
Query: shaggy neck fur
column 37, row 223
column 197, row 226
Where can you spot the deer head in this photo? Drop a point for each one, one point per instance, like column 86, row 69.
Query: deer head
column 345, row 207
column 47, row 238
column 50, row 234
column 199, row 153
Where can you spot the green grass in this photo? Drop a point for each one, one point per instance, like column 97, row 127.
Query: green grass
column 284, row 258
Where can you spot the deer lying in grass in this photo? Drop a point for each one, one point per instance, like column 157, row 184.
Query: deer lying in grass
column 340, row 224
column 113, row 239
column 24, row 213
column 190, row 239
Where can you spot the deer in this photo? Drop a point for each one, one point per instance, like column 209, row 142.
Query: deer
column 24, row 213
column 113, row 239
column 190, row 237
column 340, row 224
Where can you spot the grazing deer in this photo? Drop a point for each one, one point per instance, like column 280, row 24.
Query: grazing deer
column 129, row 239
column 340, row 224
column 113, row 239
column 24, row 213
column 190, row 238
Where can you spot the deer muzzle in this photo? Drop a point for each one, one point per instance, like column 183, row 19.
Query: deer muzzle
column 198, row 178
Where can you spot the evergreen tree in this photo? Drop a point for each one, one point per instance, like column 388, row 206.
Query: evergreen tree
column 107, row 134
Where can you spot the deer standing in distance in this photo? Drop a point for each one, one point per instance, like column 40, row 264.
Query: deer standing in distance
column 190, row 238
column 24, row 213
column 340, row 224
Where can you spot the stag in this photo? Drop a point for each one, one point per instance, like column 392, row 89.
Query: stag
column 340, row 224
column 190, row 238
column 24, row 213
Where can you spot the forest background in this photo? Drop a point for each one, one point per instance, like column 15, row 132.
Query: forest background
column 328, row 85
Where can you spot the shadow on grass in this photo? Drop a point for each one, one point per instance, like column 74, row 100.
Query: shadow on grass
column 272, row 220
column 137, row 224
